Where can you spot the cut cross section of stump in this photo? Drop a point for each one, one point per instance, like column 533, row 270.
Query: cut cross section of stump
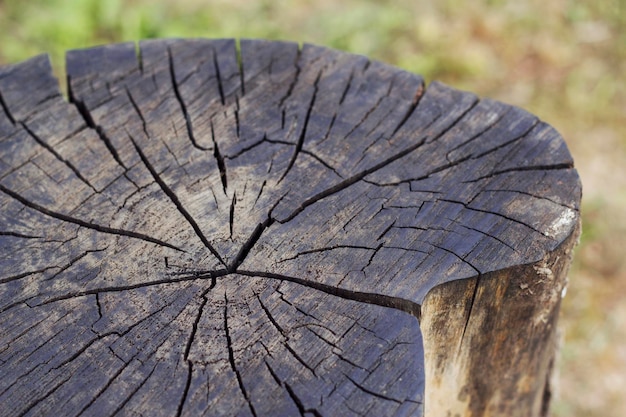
column 254, row 229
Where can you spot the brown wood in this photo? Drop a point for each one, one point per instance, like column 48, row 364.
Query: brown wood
column 208, row 228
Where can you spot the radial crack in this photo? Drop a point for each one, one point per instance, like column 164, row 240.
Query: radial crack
column 256, row 200
column 121, row 405
column 138, row 111
column 76, row 354
column 372, row 110
column 216, row 67
column 93, row 226
column 508, row 142
column 240, row 64
column 190, row 340
column 119, row 288
column 272, row 373
column 179, row 410
column 109, row 383
column 348, row 182
column 194, row 325
column 567, row 165
column 46, row 395
column 293, row 82
column 347, row 88
column 321, row 161
column 330, row 248
column 484, row 234
column 181, row 102
column 25, row 274
column 368, row 391
column 481, row 132
column 231, row 221
column 221, row 164
column 498, row 215
column 236, row 113
column 3, row 104
column 538, row 197
column 270, row 316
column 299, row 403
column 304, row 127
column 247, row 246
column 299, row 359
column 370, row 298
column 248, row 148
column 419, row 93
column 174, row 198
column 231, row 357
column 462, row 259
column 57, row 155
column 86, row 115
column 469, row 312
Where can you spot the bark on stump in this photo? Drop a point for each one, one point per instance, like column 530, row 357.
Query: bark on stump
column 213, row 228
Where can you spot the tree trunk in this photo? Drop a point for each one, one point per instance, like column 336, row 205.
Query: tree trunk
column 208, row 228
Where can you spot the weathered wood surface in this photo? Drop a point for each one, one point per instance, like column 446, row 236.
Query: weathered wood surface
column 217, row 229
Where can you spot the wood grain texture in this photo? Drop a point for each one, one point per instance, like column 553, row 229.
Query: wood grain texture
column 218, row 228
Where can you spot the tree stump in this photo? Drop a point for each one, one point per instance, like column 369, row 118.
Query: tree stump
column 218, row 228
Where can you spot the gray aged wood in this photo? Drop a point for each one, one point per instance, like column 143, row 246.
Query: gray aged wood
column 208, row 228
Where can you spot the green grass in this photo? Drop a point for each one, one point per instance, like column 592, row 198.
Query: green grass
column 563, row 60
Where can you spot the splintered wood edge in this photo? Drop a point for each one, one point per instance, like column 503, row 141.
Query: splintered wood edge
column 491, row 352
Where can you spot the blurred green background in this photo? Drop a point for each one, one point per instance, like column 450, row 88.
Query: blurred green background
column 563, row 60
